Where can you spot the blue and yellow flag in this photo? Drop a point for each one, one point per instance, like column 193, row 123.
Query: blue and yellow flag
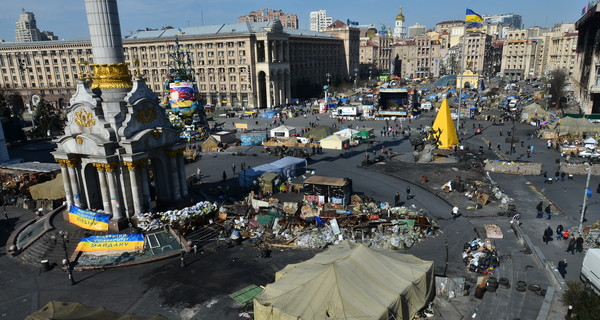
column 88, row 219
column 474, row 21
column 112, row 242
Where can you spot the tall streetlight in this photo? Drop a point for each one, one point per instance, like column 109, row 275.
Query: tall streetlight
column 66, row 263
column 327, row 88
column 25, row 72
column 355, row 77
column 370, row 70
column 585, row 196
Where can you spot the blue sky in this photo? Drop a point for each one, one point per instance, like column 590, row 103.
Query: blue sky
column 66, row 18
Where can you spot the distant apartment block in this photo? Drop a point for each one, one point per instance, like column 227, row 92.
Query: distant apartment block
column 319, row 20
column 26, row 29
column 288, row 20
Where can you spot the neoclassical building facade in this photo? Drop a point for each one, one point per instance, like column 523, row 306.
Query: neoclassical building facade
column 253, row 65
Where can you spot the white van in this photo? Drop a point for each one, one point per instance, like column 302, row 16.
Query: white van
column 426, row 105
column 590, row 270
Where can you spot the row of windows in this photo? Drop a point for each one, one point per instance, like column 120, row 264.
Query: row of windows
column 171, row 47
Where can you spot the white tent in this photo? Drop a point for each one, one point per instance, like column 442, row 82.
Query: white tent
column 346, row 133
column 349, row 281
column 590, row 143
column 333, row 142
column 282, row 132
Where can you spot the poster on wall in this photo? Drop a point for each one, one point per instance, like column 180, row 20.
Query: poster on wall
column 181, row 94
column 112, row 242
column 88, row 219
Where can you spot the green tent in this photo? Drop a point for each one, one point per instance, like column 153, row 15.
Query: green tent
column 363, row 134
column 320, row 132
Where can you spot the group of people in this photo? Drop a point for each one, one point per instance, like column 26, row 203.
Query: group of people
column 574, row 244
column 540, row 211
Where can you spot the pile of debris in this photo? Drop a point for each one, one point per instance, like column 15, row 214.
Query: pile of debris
column 480, row 256
column 182, row 218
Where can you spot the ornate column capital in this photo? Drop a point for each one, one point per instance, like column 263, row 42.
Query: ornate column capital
column 108, row 167
column 68, row 162
column 132, row 165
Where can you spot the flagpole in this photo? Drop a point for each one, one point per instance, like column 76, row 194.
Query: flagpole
column 587, row 185
column 462, row 62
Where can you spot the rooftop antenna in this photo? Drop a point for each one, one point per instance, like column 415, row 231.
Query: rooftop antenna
column 202, row 15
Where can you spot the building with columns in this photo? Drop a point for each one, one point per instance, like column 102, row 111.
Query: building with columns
column 119, row 153
column 235, row 63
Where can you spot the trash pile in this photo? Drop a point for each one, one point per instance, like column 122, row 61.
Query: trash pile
column 183, row 217
column 283, row 224
column 480, row 256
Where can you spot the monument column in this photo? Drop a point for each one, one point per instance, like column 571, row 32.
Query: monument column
column 112, row 188
column 173, row 154
column 103, row 187
column 145, row 185
column 135, row 188
column 72, row 164
column 182, row 177
column 66, row 181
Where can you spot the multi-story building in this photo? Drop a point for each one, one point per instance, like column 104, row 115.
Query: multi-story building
column 375, row 55
column 428, row 55
column 288, row 20
column 351, row 38
column 404, row 55
column 519, row 54
column 507, row 18
column 415, row 30
column 255, row 65
column 477, row 53
column 26, row 29
column 399, row 28
column 587, row 73
column 562, row 44
column 318, row 20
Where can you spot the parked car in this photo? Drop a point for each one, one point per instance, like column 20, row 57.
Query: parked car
column 589, row 154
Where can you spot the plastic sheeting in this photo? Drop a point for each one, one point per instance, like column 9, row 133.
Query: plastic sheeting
column 288, row 167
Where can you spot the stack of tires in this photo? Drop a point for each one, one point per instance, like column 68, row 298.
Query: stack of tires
column 492, row 284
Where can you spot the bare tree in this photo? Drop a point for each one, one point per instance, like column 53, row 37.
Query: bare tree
column 556, row 81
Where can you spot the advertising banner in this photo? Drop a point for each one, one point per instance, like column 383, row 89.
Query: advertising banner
column 88, row 219
column 112, row 242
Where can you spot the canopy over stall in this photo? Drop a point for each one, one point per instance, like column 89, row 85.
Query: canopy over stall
column 288, row 167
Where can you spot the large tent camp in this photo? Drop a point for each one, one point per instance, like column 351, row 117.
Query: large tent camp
column 282, row 131
column 349, row 281
column 56, row 310
column 443, row 122
column 333, row 142
column 49, row 190
column 575, row 126
column 533, row 111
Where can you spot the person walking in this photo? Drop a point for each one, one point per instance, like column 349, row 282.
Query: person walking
column 233, row 169
column 396, row 199
column 224, row 176
column 547, row 235
column 490, row 148
column 579, row 244
column 548, row 212
column 559, row 232
column 408, row 195
column 562, row 268
column 571, row 246
column 455, row 213
column 539, row 208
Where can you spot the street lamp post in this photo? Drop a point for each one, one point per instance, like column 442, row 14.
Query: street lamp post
column 370, row 70
column 585, row 196
column 327, row 90
column 66, row 263
column 355, row 77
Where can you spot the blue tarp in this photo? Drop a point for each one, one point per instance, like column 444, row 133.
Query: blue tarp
column 253, row 139
column 269, row 114
column 288, row 167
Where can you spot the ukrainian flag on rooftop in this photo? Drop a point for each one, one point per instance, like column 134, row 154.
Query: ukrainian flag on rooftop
column 474, row 21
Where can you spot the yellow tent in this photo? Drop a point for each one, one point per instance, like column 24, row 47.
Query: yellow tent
column 443, row 122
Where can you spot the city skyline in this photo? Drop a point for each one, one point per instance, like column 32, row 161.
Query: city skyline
column 68, row 20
